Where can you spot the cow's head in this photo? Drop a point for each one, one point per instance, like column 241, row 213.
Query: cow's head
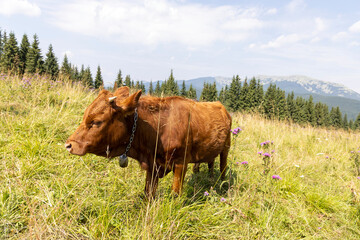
column 104, row 123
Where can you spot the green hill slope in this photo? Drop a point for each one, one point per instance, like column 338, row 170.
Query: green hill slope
column 308, row 187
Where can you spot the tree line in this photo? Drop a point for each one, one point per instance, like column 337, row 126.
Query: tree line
column 27, row 58
column 246, row 96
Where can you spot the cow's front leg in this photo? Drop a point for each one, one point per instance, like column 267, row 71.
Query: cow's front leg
column 179, row 175
column 152, row 179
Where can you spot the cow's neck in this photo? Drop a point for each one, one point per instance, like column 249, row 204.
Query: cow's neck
column 144, row 138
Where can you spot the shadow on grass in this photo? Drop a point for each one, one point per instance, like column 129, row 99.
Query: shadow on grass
column 200, row 182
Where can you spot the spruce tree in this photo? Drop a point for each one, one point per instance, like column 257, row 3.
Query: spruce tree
column 99, row 83
column 75, row 74
column 151, row 89
column 10, row 57
column 66, row 67
column 172, row 88
column 299, row 113
column 357, row 122
column 119, row 79
column 259, row 96
column 345, row 123
column 157, row 91
column 251, row 96
column 243, row 97
column 183, row 89
column 351, row 124
column 335, row 117
column 142, row 87
column 205, row 93
column 234, row 93
column 191, row 93
column 281, row 107
column 164, row 88
column 128, row 81
column 222, row 95
column 310, row 112
column 23, row 51
column 326, row 115
column 213, row 92
column 270, row 101
column 87, row 79
column 137, row 85
column 51, row 66
column 1, row 45
column 3, row 39
column 34, row 58
column 319, row 115
column 290, row 102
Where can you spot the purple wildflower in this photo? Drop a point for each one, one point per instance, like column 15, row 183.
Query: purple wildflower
column 358, row 178
column 237, row 163
column 260, row 153
column 206, row 193
column 222, row 200
column 266, row 143
column 273, row 151
column 327, row 157
column 245, row 163
column 235, row 131
column 277, row 177
column 267, row 154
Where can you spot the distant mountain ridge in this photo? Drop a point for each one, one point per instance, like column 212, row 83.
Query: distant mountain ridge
column 304, row 85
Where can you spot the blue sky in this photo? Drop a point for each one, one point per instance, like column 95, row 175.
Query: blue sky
column 146, row 39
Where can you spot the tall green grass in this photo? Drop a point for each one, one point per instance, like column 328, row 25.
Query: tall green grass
column 46, row 193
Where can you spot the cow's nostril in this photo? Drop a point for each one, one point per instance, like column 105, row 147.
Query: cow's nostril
column 68, row 146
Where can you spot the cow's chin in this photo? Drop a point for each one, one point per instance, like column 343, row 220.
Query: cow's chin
column 78, row 152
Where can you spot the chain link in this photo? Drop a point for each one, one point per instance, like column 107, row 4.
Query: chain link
column 133, row 132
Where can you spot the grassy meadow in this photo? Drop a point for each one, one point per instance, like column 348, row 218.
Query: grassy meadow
column 307, row 189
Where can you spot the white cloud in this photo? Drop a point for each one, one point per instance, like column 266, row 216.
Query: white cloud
column 282, row 40
column 355, row 28
column 355, row 44
column 272, row 11
column 315, row 40
column 23, row 7
column 340, row 36
column 320, row 24
column 295, row 5
column 153, row 22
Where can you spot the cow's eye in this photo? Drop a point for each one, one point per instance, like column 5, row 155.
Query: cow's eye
column 96, row 123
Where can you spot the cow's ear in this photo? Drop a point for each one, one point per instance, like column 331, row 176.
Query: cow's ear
column 130, row 103
column 122, row 92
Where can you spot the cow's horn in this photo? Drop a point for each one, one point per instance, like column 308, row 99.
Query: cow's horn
column 111, row 99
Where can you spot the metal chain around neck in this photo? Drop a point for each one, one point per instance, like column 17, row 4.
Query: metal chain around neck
column 132, row 133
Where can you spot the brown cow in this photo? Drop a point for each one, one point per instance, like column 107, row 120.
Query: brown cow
column 163, row 134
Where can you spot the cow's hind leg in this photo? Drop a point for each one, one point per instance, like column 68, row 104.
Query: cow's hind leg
column 223, row 157
column 211, row 168
column 196, row 167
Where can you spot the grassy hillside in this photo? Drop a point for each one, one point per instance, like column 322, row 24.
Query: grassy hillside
column 46, row 193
